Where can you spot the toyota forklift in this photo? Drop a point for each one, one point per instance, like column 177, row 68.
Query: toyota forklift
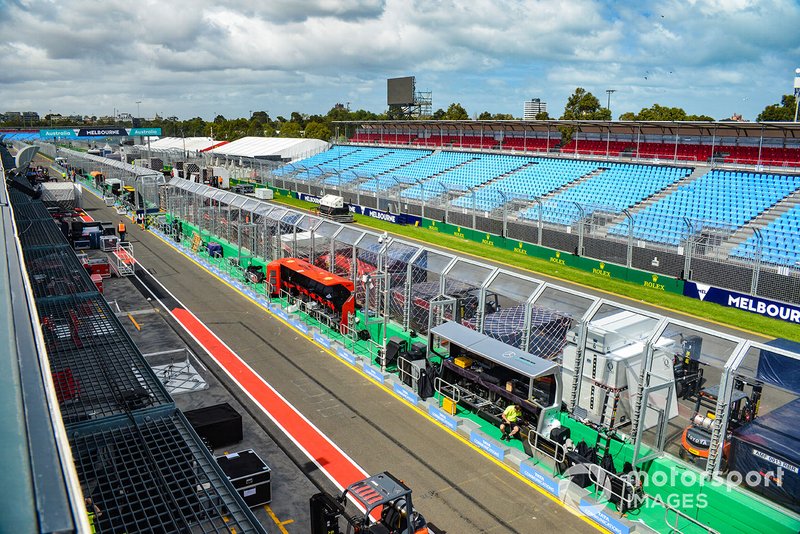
column 696, row 438
column 381, row 492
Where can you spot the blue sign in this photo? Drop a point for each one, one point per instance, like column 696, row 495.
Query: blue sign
column 406, row 394
column 538, row 478
column 395, row 218
column 443, row 417
column 322, row 340
column 299, row 325
column 102, row 132
column 373, row 373
column 144, row 131
column 346, row 355
column 733, row 299
column 282, row 314
column 601, row 517
column 487, row 445
column 62, row 133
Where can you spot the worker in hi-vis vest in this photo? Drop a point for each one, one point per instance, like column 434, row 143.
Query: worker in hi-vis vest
column 511, row 417
column 121, row 231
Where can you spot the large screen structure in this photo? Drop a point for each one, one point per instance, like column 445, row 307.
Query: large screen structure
column 400, row 91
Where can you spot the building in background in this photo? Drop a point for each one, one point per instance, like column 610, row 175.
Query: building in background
column 533, row 107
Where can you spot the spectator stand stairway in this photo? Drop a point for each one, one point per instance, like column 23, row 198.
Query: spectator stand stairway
column 698, row 171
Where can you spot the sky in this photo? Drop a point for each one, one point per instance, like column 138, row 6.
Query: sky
column 209, row 57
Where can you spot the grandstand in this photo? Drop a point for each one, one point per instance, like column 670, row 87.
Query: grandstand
column 672, row 193
column 695, row 142
column 783, row 234
column 720, row 200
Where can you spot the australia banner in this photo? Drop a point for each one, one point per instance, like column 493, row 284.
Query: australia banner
column 71, row 133
column 742, row 301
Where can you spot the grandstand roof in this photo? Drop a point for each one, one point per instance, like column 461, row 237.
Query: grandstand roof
column 686, row 128
column 193, row 144
column 264, row 147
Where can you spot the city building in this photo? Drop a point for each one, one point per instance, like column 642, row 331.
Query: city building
column 533, row 107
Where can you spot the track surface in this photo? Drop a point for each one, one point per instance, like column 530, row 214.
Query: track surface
column 457, row 488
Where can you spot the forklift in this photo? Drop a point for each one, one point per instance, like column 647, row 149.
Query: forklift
column 382, row 491
column 696, row 438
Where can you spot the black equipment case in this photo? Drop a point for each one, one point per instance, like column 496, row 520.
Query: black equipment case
column 251, row 477
column 220, row 424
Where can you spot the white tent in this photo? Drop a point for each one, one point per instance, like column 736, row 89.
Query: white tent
column 190, row 144
column 263, row 147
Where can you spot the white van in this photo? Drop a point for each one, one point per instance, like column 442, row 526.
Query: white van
column 61, row 162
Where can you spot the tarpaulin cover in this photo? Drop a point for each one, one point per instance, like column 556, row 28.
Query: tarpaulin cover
column 766, row 444
column 780, row 370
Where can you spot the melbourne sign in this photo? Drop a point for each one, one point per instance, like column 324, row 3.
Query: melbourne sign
column 66, row 133
column 750, row 303
column 394, row 218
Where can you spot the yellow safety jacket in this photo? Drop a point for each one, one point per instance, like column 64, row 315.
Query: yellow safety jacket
column 511, row 414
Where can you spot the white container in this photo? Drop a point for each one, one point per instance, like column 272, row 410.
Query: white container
column 264, row 193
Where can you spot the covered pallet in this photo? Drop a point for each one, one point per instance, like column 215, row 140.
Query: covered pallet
column 62, row 195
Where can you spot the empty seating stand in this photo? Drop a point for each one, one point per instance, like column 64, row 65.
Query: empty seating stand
column 723, row 200
column 780, row 241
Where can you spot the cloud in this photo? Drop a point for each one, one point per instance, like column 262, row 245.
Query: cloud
column 203, row 57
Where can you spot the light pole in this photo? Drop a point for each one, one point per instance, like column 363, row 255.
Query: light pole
column 138, row 113
column 796, row 91
column 609, row 92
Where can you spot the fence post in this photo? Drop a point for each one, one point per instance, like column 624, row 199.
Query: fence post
column 474, row 207
column 582, row 215
column 539, row 202
column 757, row 261
column 629, row 259
column 687, row 263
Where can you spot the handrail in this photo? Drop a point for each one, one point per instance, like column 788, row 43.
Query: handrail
column 456, row 391
column 557, row 447
column 409, row 370
column 678, row 514
column 601, row 479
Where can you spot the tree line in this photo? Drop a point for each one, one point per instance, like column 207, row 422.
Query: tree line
column 581, row 105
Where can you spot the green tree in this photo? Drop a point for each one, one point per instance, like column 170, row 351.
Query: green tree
column 485, row 116
column 542, row 116
column 583, row 105
column 260, row 117
column 299, row 118
column 318, row 130
column 290, row 129
column 456, row 112
column 783, row 112
column 657, row 112
column 268, row 130
column 699, row 118
column 439, row 114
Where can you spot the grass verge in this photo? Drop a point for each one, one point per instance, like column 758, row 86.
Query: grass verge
column 703, row 310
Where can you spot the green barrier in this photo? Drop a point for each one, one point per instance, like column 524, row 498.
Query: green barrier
column 598, row 268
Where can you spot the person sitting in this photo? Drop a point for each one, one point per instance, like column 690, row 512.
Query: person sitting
column 511, row 418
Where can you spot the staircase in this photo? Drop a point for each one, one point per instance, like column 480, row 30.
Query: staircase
column 501, row 176
column 760, row 221
column 551, row 194
column 699, row 170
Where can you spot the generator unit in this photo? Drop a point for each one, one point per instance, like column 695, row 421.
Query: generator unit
column 333, row 207
column 611, row 369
